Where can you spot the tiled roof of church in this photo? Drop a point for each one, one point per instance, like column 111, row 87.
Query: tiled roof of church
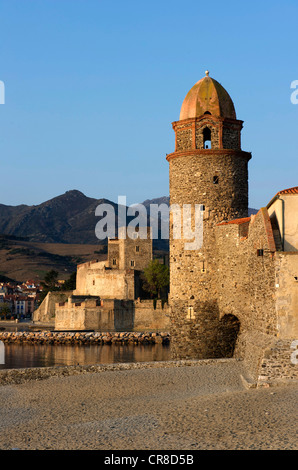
column 289, row 191
column 293, row 190
column 236, row 221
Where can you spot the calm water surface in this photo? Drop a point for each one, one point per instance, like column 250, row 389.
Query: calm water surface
column 19, row 356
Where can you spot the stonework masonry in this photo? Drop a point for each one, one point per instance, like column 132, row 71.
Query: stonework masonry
column 45, row 314
column 107, row 294
column 111, row 315
column 94, row 278
column 237, row 295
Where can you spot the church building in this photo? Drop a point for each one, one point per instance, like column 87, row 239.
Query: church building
column 237, row 295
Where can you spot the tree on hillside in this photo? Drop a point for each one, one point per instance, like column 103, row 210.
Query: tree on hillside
column 156, row 278
column 70, row 283
column 49, row 284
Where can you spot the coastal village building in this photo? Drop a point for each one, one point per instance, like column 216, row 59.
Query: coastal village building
column 20, row 299
column 237, row 294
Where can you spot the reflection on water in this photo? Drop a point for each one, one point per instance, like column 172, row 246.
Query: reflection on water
column 45, row 355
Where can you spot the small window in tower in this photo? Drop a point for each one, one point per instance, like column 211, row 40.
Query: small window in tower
column 137, row 248
column 190, row 315
column 215, row 179
column 207, row 138
column 132, row 263
column 207, row 112
column 114, row 261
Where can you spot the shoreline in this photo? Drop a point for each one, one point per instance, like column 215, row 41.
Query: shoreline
column 21, row 376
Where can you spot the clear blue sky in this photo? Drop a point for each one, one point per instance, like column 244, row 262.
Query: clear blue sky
column 92, row 87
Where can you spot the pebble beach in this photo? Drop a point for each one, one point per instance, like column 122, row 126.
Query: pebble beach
column 192, row 406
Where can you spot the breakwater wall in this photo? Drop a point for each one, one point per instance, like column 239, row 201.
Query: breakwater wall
column 59, row 337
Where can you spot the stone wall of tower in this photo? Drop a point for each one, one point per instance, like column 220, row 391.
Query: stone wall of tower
column 184, row 137
column 231, row 137
column 225, row 134
column 192, row 182
column 216, row 179
column 214, row 135
column 193, row 273
column 129, row 253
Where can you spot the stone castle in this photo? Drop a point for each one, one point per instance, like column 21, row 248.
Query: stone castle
column 238, row 294
column 108, row 294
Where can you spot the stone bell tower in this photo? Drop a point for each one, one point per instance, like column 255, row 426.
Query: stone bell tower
column 208, row 168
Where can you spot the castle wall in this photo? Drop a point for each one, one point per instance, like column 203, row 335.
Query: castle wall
column 94, row 279
column 147, row 317
column 114, row 254
column 111, row 315
column 245, row 280
column 261, row 290
column 137, row 253
column 45, row 313
column 84, row 315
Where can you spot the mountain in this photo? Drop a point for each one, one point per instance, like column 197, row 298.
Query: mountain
column 68, row 218
column 58, row 234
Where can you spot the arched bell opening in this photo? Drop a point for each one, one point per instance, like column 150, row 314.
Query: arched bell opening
column 207, row 138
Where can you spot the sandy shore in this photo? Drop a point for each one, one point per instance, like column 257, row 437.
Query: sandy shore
column 172, row 408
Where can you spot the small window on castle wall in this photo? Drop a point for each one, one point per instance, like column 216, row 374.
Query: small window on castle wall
column 190, row 313
column 137, row 248
column 114, row 262
column 215, row 179
column 132, row 263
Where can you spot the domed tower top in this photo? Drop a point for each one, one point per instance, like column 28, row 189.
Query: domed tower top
column 207, row 119
column 207, row 96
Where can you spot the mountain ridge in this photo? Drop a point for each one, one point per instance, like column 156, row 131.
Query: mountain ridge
column 67, row 218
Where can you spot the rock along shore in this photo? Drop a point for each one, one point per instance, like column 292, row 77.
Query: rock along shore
column 83, row 337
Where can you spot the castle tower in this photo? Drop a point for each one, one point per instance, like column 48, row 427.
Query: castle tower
column 208, row 168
